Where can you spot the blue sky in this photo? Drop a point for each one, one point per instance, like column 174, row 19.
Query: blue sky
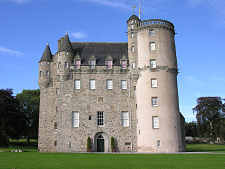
column 27, row 26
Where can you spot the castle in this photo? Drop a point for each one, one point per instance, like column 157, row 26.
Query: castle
column 127, row 91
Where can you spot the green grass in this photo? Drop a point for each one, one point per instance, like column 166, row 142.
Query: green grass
column 31, row 159
column 108, row 161
column 205, row 148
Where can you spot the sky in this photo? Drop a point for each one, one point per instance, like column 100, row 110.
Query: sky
column 26, row 26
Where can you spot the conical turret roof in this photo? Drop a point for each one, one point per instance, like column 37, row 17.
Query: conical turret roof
column 66, row 45
column 47, row 55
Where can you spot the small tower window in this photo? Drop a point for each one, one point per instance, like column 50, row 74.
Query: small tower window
column 133, row 65
column 55, row 126
column 154, row 101
column 77, row 64
column 66, row 65
column 152, row 46
column 154, row 83
column 132, row 35
column 57, row 91
column 155, row 122
column 55, row 143
column 158, row 143
column 132, row 26
column 132, row 49
column 124, row 64
column 59, row 65
column 153, row 64
column 47, row 73
column 151, row 32
column 40, row 74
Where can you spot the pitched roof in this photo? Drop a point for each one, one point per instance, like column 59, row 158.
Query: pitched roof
column 66, row 45
column 101, row 51
column 47, row 55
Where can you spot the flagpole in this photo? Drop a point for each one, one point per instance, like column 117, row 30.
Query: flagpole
column 139, row 9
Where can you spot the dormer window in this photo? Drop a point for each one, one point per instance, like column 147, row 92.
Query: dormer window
column 92, row 64
column 124, row 64
column 109, row 64
column 77, row 64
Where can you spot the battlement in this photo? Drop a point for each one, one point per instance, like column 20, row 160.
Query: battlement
column 156, row 23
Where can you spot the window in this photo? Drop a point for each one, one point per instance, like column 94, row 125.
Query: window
column 158, row 143
column 66, row 65
column 152, row 46
column 132, row 35
column 132, row 26
column 59, row 65
column 92, row 64
column 124, row 64
column 155, row 122
column 123, row 84
column 57, row 91
column 76, row 84
column 89, row 117
column 77, row 64
column 152, row 63
column 55, row 126
column 47, row 73
column 75, row 119
column 134, row 88
column 55, row 143
column 109, row 64
column 132, row 49
column 59, row 54
column 125, row 119
column 40, row 74
column 109, row 84
column 151, row 32
column 100, row 118
column 133, row 65
column 154, row 83
column 92, row 84
column 154, row 101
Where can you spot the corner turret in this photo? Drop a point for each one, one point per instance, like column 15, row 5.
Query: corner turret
column 45, row 67
column 65, row 57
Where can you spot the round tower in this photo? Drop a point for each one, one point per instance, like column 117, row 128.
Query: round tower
column 45, row 68
column 65, row 57
column 159, row 127
column 132, row 24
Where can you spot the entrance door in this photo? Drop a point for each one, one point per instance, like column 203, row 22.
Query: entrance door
column 100, row 143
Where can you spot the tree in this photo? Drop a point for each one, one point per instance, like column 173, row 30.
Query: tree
column 209, row 111
column 89, row 144
column 29, row 101
column 10, row 117
column 191, row 129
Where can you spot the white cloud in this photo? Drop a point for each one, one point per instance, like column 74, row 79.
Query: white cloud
column 79, row 35
column 193, row 80
column 108, row 3
column 11, row 52
column 15, row 1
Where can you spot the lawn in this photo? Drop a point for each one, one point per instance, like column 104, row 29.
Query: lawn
column 108, row 161
column 205, row 148
column 34, row 160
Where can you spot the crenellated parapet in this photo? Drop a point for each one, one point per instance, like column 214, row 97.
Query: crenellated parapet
column 156, row 23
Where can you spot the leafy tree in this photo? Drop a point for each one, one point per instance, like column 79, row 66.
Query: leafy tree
column 209, row 111
column 11, row 118
column 29, row 101
column 191, row 129
column 89, row 144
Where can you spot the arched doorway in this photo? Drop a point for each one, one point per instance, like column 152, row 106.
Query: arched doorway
column 100, row 144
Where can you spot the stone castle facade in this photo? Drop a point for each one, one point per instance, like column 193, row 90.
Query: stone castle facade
column 127, row 91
